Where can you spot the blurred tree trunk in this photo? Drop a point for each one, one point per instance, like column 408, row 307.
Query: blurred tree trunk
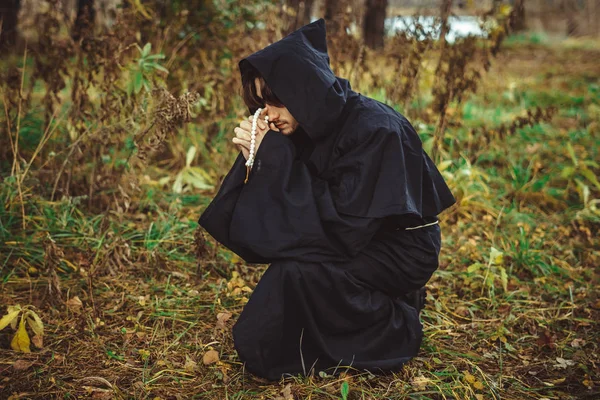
column 302, row 16
column 445, row 14
column 86, row 14
column 495, row 5
column 519, row 23
column 374, row 23
column 570, row 9
column 9, row 14
column 594, row 16
column 333, row 14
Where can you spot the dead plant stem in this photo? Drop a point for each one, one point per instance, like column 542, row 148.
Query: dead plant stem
column 16, row 151
column 47, row 135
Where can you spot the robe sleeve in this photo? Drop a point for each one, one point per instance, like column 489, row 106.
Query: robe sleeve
column 216, row 219
column 285, row 212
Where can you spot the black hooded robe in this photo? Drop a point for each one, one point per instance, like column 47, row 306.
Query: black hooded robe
column 327, row 207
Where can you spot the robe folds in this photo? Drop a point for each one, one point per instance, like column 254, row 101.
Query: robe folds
column 327, row 208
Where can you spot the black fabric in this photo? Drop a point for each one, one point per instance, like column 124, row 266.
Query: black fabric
column 321, row 206
column 370, row 153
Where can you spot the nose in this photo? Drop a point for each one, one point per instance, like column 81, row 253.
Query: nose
column 272, row 113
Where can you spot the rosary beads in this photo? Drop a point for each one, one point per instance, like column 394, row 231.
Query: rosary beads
column 250, row 161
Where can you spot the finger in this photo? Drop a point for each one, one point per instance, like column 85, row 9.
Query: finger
column 263, row 113
column 242, row 142
column 273, row 127
column 245, row 125
column 242, row 134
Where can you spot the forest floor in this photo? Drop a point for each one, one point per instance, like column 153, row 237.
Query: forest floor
column 512, row 313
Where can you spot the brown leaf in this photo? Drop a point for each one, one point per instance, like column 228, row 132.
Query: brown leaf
column 224, row 316
column 190, row 365
column 20, row 365
column 74, row 304
column 222, row 319
column 38, row 341
column 287, row 392
column 210, row 357
column 420, row 382
column 545, row 338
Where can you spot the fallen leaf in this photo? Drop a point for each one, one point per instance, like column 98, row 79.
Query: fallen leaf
column 190, row 365
column 13, row 312
column 562, row 363
column 210, row 357
column 420, row 382
column 287, row 392
column 35, row 323
column 20, row 365
column 468, row 377
column 222, row 318
column 577, row 343
column 20, row 341
column 38, row 341
column 478, row 385
column 74, row 304
column 545, row 338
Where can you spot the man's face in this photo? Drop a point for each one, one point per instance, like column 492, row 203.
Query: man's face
column 280, row 116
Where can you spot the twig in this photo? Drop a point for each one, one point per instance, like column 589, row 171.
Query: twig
column 42, row 143
column 497, row 223
column 16, row 167
column 177, row 48
column 301, row 356
column 16, row 151
column 62, row 168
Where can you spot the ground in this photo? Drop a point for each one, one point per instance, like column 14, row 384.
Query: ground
column 513, row 312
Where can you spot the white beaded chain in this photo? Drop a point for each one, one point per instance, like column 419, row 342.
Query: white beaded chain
column 250, row 161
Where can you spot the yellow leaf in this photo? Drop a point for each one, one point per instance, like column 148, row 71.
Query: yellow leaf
column 144, row 354
column 469, row 378
column 496, row 256
column 13, row 312
column 21, row 340
column 478, row 385
column 190, row 365
column 35, row 322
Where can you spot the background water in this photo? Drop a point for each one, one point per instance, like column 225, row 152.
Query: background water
column 460, row 26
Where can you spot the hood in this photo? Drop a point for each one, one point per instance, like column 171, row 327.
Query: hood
column 296, row 68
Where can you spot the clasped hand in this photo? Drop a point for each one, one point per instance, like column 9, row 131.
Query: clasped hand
column 244, row 130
